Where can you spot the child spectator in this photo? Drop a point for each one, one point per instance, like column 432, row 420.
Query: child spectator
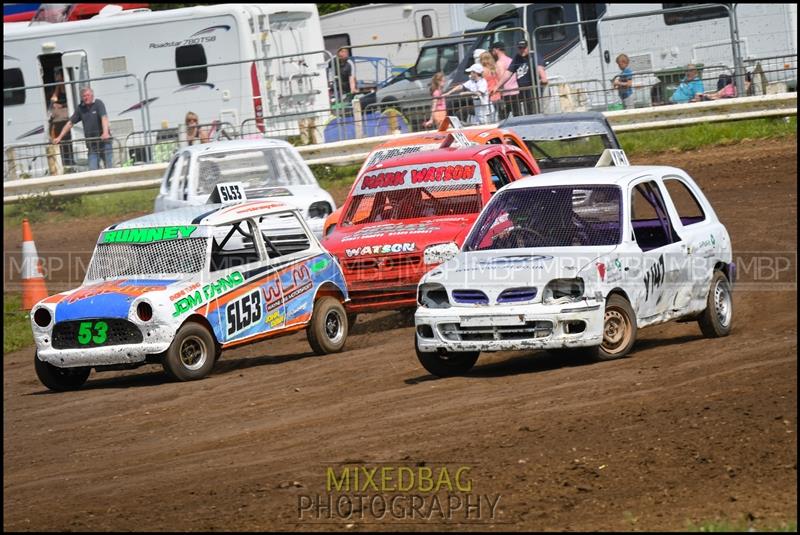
column 491, row 73
column 438, row 104
column 623, row 82
column 477, row 86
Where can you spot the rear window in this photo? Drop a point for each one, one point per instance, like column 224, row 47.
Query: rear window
column 257, row 169
column 415, row 191
column 581, row 151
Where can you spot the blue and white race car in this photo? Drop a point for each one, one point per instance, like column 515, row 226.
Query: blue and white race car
column 178, row 287
column 578, row 259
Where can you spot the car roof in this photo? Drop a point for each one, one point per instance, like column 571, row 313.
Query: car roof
column 206, row 214
column 236, row 144
column 472, row 133
column 600, row 176
column 439, row 155
column 558, row 126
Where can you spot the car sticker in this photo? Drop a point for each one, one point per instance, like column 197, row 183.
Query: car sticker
column 412, row 176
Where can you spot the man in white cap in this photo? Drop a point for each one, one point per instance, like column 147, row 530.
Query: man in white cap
column 477, row 86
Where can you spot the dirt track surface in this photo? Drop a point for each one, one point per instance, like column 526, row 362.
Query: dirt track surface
column 686, row 429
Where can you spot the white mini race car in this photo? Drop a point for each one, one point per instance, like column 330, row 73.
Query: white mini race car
column 267, row 168
column 578, row 259
column 180, row 286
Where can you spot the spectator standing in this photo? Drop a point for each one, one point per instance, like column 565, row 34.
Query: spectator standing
column 520, row 68
column 194, row 133
column 491, row 74
column 438, row 104
column 347, row 71
column 477, row 86
column 92, row 112
column 623, row 82
column 59, row 115
column 510, row 92
column 691, row 87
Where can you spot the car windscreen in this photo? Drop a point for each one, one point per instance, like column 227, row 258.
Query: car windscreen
column 131, row 257
column 552, row 216
column 415, row 191
column 256, row 168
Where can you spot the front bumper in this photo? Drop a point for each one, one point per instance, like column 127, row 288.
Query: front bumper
column 504, row 328
column 157, row 339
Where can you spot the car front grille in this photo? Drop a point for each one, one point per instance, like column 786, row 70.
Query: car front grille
column 118, row 332
column 489, row 333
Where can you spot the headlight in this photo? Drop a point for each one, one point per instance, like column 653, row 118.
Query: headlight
column 432, row 295
column 559, row 291
column 319, row 209
column 42, row 317
column 437, row 254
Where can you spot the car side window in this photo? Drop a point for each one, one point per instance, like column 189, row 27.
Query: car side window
column 650, row 221
column 233, row 246
column 524, row 169
column 283, row 234
column 177, row 168
column 688, row 207
column 500, row 173
column 511, row 141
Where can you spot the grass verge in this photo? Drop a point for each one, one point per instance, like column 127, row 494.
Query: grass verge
column 706, row 135
column 16, row 326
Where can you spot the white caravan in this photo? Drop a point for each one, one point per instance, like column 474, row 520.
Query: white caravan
column 385, row 23
column 135, row 43
column 586, row 53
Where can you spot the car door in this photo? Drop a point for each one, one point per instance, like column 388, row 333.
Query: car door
column 657, row 269
column 701, row 235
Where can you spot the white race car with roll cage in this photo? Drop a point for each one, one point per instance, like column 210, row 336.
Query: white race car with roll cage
column 180, row 286
column 577, row 261
column 268, row 168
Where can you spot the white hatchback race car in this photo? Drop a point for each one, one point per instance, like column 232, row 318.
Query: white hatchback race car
column 267, row 168
column 178, row 287
column 578, row 259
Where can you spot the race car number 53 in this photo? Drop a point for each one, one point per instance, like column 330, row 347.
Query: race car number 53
column 230, row 192
column 92, row 332
column 243, row 312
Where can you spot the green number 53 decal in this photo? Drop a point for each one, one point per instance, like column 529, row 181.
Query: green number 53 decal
column 88, row 332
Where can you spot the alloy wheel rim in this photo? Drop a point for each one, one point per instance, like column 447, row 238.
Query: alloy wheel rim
column 193, row 353
column 334, row 326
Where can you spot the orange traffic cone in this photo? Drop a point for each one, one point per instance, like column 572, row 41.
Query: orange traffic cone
column 33, row 287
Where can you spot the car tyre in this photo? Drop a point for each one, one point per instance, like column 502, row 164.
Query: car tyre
column 60, row 379
column 619, row 330
column 327, row 332
column 450, row 364
column 192, row 354
column 716, row 319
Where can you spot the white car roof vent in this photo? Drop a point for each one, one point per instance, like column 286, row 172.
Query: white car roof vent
column 615, row 157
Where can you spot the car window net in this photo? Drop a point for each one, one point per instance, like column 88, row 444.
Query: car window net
column 130, row 259
column 561, row 216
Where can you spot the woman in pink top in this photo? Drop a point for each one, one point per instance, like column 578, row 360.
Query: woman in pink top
column 438, row 104
column 491, row 73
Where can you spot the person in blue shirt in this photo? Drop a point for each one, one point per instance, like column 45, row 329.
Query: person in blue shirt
column 623, row 82
column 690, row 88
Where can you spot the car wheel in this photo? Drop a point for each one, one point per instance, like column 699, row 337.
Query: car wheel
column 192, row 354
column 449, row 364
column 619, row 329
column 717, row 317
column 327, row 331
column 60, row 379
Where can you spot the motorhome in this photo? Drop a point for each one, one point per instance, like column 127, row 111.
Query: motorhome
column 391, row 23
column 660, row 45
column 151, row 68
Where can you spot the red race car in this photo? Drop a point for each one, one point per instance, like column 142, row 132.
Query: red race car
column 408, row 214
